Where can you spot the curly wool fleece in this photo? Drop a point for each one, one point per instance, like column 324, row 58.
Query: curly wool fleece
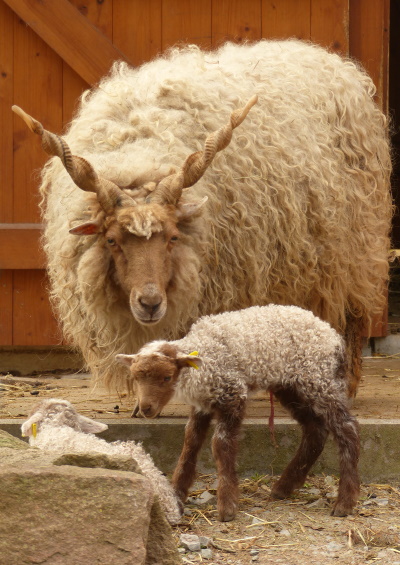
column 298, row 208
column 60, row 430
column 260, row 348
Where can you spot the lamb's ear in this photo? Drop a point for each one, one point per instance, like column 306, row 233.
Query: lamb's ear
column 29, row 428
column 189, row 360
column 126, row 359
column 91, row 426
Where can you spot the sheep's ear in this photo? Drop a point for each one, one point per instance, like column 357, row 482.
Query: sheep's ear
column 187, row 209
column 191, row 360
column 26, row 428
column 125, row 359
column 90, row 228
column 91, row 426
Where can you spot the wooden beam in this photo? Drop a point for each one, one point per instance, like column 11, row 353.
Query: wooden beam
column 20, row 246
column 71, row 35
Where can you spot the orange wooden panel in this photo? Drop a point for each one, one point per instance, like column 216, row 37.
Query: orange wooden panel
column 330, row 24
column 137, row 29
column 6, row 116
column 6, row 322
column 235, row 20
column 20, row 246
column 286, row 18
column 38, row 90
column 71, row 35
column 187, row 21
column 369, row 41
column 34, row 323
column 101, row 16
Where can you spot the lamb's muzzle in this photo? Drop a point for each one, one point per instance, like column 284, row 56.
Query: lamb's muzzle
column 281, row 349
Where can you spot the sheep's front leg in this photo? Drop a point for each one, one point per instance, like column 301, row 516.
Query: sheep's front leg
column 195, row 433
column 225, row 447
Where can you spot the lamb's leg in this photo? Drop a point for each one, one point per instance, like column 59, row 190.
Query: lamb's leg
column 225, row 448
column 312, row 444
column 345, row 430
column 195, row 433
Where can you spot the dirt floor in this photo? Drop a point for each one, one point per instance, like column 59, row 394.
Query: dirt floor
column 297, row 531
column 291, row 532
column 378, row 395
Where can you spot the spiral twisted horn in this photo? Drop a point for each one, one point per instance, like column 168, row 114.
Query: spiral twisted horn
column 169, row 190
column 81, row 171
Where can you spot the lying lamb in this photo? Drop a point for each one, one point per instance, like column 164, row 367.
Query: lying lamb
column 283, row 349
column 55, row 425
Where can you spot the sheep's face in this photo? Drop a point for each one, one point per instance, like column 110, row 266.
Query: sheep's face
column 141, row 236
column 143, row 247
column 155, row 371
column 148, row 250
column 58, row 412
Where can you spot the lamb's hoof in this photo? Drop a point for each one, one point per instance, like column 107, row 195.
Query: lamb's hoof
column 226, row 516
column 227, row 513
column 341, row 510
column 279, row 494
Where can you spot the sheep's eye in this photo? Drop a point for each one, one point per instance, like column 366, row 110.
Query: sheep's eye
column 111, row 241
column 174, row 238
column 167, row 379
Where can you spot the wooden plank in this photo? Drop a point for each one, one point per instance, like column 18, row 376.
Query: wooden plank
column 186, row 21
column 369, row 41
column 330, row 24
column 6, row 117
column 20, row 246
column 137, row 29
column 101, row 16
column 38, row 90
column 34, row 323
column 235, row 20
column 71, row 35
column 286, row 18
column 6, row 307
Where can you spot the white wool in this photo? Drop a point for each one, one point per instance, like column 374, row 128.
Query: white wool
column 298, row 208
column 54, row 436
column 260, row 348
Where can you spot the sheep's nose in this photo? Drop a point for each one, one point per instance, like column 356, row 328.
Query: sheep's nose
column 151, row 305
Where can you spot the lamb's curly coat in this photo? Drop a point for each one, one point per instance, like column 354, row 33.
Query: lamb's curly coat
column 298, row 207
column 61, row 429
column 283, row 349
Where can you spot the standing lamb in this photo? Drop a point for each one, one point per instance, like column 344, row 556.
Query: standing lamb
column 296, row 210
column 282, row 349
column 55, row 425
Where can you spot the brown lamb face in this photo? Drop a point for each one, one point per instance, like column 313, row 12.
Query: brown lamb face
column 155, row 373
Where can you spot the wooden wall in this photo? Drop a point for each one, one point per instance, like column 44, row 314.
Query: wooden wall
column 52, row 50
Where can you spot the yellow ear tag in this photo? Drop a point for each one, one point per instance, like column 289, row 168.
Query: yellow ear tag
column 192, row 363
column 34, row 429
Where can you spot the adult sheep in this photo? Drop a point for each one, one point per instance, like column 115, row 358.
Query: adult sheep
column 295, row 211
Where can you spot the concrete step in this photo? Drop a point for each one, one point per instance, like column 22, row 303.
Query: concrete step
column 163, row 439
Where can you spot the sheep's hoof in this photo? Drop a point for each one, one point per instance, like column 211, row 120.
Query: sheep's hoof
column 226, row 516
column 227, row 513
column 279, row 494
column 341, row 510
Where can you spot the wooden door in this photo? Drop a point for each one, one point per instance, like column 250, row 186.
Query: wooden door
column 53, row 50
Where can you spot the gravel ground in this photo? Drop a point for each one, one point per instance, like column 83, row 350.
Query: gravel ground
column 295, row 531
